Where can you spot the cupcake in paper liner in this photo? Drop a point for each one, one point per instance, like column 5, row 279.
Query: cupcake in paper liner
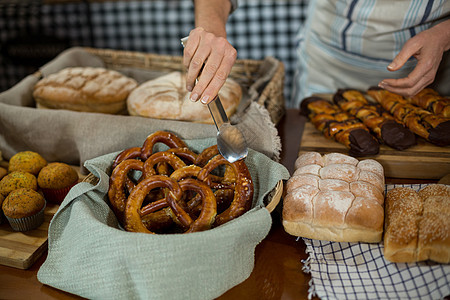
column 2, row 215
column 55, row 180
column 24, row 209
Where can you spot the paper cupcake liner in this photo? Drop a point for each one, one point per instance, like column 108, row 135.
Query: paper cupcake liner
column 56, row 195
column 27, row 223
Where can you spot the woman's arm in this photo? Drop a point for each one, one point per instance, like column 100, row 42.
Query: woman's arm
column 207, row 45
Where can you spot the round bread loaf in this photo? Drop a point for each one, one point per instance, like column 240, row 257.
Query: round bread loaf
column 85, row 89
column 166, row 97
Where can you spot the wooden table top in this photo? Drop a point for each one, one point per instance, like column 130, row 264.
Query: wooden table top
column 278, row 268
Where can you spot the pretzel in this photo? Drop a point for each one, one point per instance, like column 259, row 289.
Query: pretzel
column 158, row 157
column 170, row 139
column 243, row 194
column 183, row 152
column 131, row 153
column 178, row 188
column 133, row 212
column 118, row 182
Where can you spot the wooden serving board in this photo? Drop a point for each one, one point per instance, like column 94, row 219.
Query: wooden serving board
column 422, row 161
column 21, row 249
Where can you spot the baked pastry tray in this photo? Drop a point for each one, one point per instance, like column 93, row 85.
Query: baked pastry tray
column 422, row 161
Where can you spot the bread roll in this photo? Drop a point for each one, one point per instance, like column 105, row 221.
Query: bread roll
column 335, row 197
column 84, row 89
column 417, row 226
column 166, row 97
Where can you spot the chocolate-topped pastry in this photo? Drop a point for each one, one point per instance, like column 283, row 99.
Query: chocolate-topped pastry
column 432, row 127
column 338, row 125
column 376, row 118
column 432, row 101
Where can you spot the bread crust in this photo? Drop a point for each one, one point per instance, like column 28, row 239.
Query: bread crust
column 416, row 224
column 166, row 97
column 84, row 89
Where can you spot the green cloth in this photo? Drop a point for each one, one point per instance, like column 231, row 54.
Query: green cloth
column 91, row 256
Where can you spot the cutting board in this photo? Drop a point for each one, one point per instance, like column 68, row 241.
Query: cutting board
column 422, row 161
column 21, row 249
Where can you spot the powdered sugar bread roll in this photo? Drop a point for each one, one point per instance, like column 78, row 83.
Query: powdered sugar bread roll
column 308, row 169
column 305, row 179
column 339, row 158
column 166, row 97
column 309, row 158
column 345, row 205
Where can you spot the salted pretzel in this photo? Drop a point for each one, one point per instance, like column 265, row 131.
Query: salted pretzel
column 184, row 153
column 130, row 153
column 117, row 183
column 178, row 189
column 243, row 194
column 167, row 138
column 133, row 213
column 163, row 156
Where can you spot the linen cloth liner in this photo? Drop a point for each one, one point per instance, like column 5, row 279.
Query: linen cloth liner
column 74, row 137
column 89, row 255
column 360, row 271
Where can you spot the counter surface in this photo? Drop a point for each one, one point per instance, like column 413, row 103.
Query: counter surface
column 278, row 268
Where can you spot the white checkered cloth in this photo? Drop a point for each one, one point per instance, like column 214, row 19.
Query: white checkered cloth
column 360, row 271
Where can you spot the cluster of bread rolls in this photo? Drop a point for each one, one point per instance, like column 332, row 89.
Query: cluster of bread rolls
column 417, row 224
column 335, row 197
column 100, row 90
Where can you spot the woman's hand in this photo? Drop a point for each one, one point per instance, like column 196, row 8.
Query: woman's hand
column 428, row 48
column 209, row 58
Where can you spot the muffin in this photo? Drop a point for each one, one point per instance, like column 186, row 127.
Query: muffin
column 16, row 180
column 3, row 172
column 55, row 181
column 24, row 209
column 27, row 161
column 2, row 216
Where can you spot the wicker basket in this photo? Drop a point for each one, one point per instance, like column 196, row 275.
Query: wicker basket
column 244, row 71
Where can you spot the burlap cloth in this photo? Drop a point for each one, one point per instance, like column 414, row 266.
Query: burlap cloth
column 74, row 137
column 89, row 255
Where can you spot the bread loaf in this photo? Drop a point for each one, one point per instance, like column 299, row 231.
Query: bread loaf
column 335, row 197
column 84, row 89
column 166, row 97
column 417, row 224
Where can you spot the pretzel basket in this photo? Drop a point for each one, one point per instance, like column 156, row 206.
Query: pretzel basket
column 246, row 72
